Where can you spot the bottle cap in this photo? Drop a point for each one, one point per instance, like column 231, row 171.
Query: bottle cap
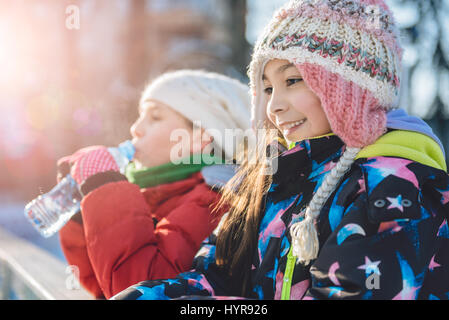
column 127, row 149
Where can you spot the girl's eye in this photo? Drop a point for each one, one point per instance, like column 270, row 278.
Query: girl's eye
column 154, row 116
column 293, row 81
column 268, row 90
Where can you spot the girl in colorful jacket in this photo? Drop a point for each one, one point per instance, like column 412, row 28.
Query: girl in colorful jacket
column 150, row 222
column 355, row 205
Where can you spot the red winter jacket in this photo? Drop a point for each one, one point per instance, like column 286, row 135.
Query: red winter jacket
column 128, row 234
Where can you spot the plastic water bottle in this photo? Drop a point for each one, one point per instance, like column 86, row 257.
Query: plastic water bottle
column 49, row 212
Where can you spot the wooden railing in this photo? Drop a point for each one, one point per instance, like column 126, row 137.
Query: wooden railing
column 29, row 272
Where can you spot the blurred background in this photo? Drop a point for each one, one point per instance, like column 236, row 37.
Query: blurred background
column 72, row 73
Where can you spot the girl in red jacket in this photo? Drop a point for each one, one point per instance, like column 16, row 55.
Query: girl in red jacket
column 150, row 222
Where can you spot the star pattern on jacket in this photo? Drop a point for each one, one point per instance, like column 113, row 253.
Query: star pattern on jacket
column 395, row 203
column 378, row 220
column 370, row 267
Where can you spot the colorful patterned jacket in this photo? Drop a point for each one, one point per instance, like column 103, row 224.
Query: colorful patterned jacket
column 383, row 233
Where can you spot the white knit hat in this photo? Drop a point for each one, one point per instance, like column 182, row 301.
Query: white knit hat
column 216, row 101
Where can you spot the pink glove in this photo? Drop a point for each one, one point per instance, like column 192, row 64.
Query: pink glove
column 86, row 162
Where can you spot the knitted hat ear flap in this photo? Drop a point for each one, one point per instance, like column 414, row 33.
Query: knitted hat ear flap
column 354, row 114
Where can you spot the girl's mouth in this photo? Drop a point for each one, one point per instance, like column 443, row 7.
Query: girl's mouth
column 291, row 127
column 136, row 154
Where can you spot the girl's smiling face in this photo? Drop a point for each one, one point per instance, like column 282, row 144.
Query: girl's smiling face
column 290, row 105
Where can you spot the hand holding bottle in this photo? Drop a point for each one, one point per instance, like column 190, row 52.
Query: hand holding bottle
column 86, row 162
column 50, row 211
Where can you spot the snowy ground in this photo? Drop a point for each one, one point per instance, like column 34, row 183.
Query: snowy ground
column 13, row 219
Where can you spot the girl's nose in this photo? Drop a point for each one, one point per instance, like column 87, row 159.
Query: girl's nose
column 136, row 130
column 276, row 104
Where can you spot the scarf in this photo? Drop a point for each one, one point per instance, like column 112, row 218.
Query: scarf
column 168, row 172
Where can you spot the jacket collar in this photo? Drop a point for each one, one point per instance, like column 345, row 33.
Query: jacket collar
column 155, row 196
column 307, row 156
column 302, row 164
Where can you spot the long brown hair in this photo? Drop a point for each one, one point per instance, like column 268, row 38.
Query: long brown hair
column 237, row 238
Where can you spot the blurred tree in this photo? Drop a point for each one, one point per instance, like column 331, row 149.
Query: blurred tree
column 136, row 56
column 428, row 34
column 240, row 45
column 70, row 83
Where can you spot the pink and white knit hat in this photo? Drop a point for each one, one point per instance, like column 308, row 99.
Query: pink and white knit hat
column 348, row 54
